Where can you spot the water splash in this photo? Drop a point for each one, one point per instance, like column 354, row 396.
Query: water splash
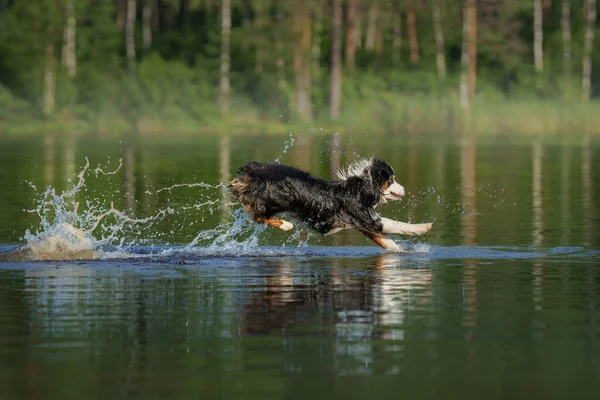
column 74, row 226
column 288, row 144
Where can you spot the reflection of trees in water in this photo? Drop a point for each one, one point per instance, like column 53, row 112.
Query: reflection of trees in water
column 468, row 165
column 587, row 191
column 118, row 326
column 70, row 146
column 565, row 192
column 49, row 154
column 536, row 194
column 199, row 324
column 130, row 181
column 225, row 173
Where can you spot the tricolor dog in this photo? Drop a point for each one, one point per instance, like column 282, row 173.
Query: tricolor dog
column 267, row 189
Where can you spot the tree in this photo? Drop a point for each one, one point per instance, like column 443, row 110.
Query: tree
column 396, row 35
column 468, row 53
column 130, row 35
column 224, row 87
column 316, row 39
column 49, row 74
column 335, row 99
column 147, row 24
column 472, row 47
column 302, row 65
column 565, row 24
column 587, row 48
column 411, row 24
column 538, row 37
column 371, row 26
column 439, row 39
column 351, row 35
column 69, row 59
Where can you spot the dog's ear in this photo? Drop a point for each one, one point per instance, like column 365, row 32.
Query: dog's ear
column 372, row 193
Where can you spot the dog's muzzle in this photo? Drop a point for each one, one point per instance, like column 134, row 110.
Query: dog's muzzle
column 394, row 192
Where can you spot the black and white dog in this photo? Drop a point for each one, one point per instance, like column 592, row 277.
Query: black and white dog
column 326, row 206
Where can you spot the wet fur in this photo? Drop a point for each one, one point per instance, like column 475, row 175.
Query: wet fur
column 267, row 189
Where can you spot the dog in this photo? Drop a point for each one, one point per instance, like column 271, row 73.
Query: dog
column 267, row 189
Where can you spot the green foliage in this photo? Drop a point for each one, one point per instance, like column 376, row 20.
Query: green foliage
column 175, row 85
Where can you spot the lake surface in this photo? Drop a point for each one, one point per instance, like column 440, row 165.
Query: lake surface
column 187, row 299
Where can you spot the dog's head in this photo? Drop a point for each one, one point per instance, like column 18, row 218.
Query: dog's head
column 379, row 174
column 383, row 176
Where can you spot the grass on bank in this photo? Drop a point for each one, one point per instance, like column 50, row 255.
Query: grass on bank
column 390, row 114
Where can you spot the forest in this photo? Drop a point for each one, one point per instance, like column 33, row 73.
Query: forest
column 196, row 66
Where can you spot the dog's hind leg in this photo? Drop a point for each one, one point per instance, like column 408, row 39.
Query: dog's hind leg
column 383, row 240
column 276, row 223
column 403, row 228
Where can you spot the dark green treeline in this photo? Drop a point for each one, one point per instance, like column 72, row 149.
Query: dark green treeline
column 255, row 65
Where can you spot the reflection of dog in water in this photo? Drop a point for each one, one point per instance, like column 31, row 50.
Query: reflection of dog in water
column 328, row 207
column 66, row 243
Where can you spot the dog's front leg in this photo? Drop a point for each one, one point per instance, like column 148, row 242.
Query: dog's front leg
column 403, row 228
column 276, row 223
column 384, row 241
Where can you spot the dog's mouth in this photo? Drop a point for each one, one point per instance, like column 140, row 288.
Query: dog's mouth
column 394, row 192
column 394, row 196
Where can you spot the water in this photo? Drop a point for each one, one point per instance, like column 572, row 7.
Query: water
column 187, row 299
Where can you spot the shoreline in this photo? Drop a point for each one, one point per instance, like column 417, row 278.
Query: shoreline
column 421, row 116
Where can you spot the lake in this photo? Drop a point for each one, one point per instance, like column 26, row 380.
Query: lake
column 188, row 299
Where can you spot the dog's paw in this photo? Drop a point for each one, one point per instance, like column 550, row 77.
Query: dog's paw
column 286, row 226
column 423, row 228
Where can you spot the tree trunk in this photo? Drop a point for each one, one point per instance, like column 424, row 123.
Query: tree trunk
column 3, row 7
column 396, row 37
column 147, row 28
column 69, row 59
column 439, row 39
column 472, row 47
column 371, row 27
column 538, row 37
column 587, row 48
column 49, row 75
column 336, row 61
column 358, row 26
column 279, row 53
column 302, row 63
column 130, row 35
column 464, row 58
column 306, row 67
column 224, row 87
column 565, row 24
column 184, row 13
column 379, row 40
column 261, row 13
column 279, row 63
column 121, row 14
column 316, row 39
column 351, row 35
column 413, row 41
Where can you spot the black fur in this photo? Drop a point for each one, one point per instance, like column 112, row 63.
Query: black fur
column 269, row 189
